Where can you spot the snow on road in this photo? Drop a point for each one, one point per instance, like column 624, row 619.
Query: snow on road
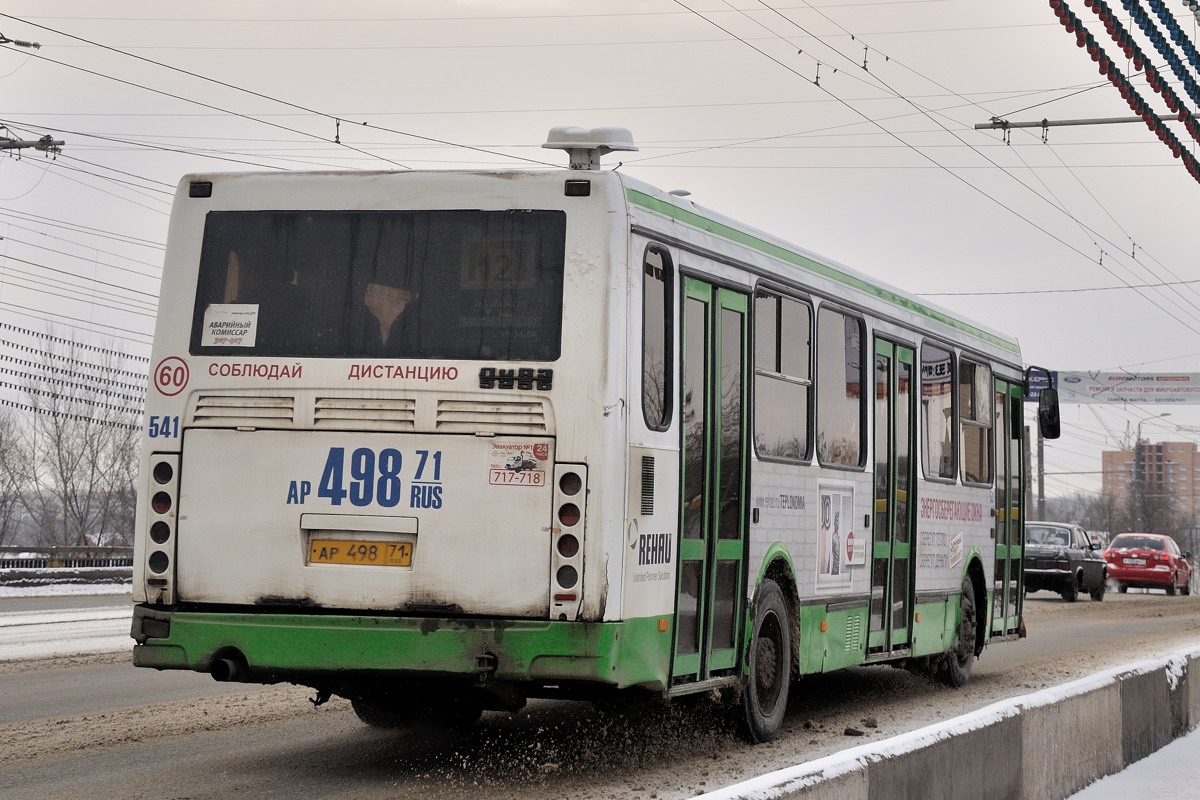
column 26, row 635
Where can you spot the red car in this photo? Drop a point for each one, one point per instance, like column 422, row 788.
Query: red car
column 1148, row 561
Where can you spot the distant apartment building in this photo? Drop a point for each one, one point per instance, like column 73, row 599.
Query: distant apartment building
column 1168, row 469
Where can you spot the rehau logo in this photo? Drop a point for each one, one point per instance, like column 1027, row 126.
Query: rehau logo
column 654, row 548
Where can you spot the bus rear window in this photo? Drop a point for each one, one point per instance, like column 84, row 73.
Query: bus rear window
column 385, row 284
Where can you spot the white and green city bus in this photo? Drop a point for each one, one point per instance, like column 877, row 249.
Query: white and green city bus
column 442, row 441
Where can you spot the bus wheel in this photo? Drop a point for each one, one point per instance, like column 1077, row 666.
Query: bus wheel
column 956, row 669
column 764, row 699
column 381, row 716
column 457, row 714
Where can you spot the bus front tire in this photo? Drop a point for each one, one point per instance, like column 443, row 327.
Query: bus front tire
column 764, row 698
column 956, row 669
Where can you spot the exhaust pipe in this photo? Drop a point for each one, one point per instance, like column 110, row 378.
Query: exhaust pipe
column 229, row 670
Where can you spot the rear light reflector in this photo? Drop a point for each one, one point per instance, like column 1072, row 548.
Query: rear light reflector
column 565, row 597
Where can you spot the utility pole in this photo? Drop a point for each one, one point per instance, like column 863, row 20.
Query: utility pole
column 46, row 144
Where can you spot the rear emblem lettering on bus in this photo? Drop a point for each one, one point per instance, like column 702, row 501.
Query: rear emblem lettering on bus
column 654, row 548
column 525, row 379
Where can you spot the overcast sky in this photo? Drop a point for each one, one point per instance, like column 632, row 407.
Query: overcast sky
column 846, row 126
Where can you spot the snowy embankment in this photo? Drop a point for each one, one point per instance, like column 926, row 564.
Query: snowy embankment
column 64, row 631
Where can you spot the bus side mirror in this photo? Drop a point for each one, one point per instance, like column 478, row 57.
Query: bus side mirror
column 1048, row 419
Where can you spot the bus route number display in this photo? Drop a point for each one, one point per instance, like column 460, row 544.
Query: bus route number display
column 364, row 477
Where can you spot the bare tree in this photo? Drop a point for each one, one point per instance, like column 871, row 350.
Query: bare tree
column 74, row 457
column 10, row 494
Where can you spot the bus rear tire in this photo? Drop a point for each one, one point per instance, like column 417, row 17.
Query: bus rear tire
column 765, row 696
column 453, row 714
column 956, row 669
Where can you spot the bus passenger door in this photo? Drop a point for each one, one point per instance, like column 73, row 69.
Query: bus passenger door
column 1007, row 589
column 891, row 550
column 709, row 604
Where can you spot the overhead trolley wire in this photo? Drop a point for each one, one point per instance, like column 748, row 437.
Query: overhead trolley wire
column 1194, row 328
column 329, row 117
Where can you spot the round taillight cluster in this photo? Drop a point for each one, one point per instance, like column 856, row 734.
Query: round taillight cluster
column 568, row 539
column 162, row 516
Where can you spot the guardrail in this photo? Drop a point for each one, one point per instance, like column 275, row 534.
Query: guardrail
column 64, row 557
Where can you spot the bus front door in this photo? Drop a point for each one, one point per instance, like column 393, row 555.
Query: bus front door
column 710, row 601
column 891, row 549
column 1007, row 588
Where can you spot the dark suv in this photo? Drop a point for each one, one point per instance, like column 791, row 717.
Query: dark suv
column 1061, row 557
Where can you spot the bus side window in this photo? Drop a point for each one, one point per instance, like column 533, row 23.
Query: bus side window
column 657, row 325
column 841, row 401
column 937, row 408
column 975, row 417
column 782, row 375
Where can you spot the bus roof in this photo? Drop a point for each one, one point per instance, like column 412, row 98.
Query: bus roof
column 704, row 226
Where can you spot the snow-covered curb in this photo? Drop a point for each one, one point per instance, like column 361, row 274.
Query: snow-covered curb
column 53, row 589
column 50, row 576
column 1046, row 745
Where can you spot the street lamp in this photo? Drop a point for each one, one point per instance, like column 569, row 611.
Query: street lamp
column 1139, row 477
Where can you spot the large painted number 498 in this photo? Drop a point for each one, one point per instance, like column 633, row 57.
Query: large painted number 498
column 367, row 483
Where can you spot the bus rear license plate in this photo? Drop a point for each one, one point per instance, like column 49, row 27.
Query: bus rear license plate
column 359, row 551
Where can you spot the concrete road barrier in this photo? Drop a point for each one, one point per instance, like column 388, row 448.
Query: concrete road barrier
column 1042, row 746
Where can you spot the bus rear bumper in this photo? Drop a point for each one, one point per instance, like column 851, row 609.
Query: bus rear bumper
column 311, row 649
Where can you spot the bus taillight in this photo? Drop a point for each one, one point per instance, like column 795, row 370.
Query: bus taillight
column 160, row 532
column 161, row 519
column 161, row 503
column 567, row 576
column 566, row 554
column 568, row 514
column 570, row 483
column 163, row 472
column 568, row 546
